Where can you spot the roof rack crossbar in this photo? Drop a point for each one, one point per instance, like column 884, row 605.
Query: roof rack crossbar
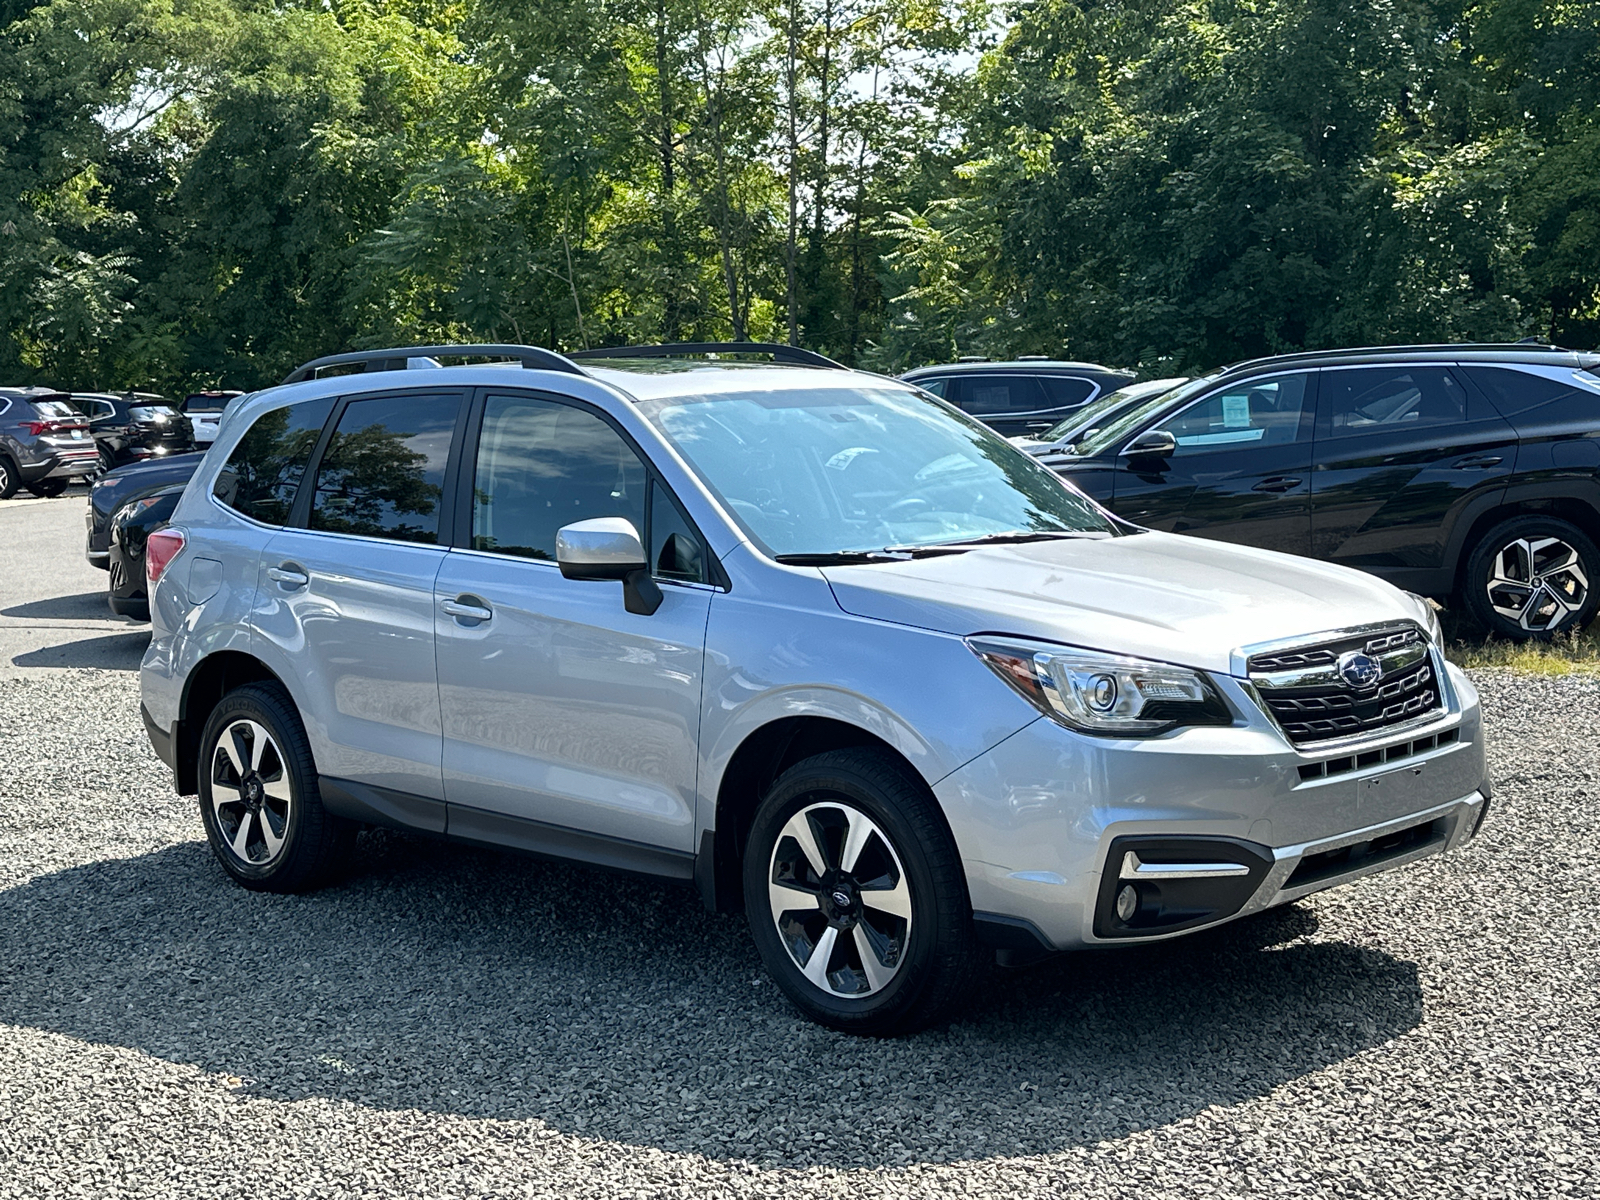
column 780, row 353
column 534, row 358
column 1439, row 349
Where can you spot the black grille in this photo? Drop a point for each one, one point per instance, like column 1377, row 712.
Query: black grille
column 1335, row 710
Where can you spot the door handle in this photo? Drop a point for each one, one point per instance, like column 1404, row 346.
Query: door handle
column 1278, row 483
column 461, row 610
column 1478, row 462
column 289, row 575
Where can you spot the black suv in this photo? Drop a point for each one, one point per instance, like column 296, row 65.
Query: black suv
column 133, row 426
column 1026, row 396
column 1467, row 472
column 44, row 442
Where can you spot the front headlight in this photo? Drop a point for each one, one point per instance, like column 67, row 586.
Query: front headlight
column 1429, row 616
column 1104, row 694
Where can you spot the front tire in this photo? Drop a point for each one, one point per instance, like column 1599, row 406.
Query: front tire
column 856, row 896
column 9, row 480
column 259, row 799
column 1532, row 577
column 48, row 489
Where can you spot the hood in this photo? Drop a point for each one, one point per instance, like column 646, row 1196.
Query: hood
column 1183, row 600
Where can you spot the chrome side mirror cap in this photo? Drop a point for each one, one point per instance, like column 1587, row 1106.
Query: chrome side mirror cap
column 609, row 548
column 1155, row 442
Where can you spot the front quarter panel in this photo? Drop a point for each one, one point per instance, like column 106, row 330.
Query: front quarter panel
column 779, row 646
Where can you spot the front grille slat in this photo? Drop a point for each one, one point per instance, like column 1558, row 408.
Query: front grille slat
column 1326, row 708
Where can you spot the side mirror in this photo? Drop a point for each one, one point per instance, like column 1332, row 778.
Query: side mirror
column 609, row 548
column 1157, row 443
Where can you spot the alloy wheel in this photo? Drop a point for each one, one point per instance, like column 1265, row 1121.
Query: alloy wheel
column 840, row 899
column 250, row 792
column 1537, row 583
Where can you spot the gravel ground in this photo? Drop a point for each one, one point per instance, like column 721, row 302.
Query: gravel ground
column 457, row 1023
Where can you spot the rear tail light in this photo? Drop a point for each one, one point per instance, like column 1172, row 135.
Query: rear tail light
column 38, row 428
column 160, row 548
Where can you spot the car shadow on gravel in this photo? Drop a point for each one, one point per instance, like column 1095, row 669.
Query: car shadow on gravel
column 470, row 983
column 114, row 652
column 84, row 606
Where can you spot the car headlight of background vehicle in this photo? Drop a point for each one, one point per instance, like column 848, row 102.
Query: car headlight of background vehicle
column 1104, row 694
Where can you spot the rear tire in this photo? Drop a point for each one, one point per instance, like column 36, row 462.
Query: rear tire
column 1531, row 578
column 259, row 798
column 886, row 906
column 8, row 478
column 48, row 489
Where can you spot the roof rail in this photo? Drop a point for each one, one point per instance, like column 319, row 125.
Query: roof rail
column 1275, row 360
column 533, row 358
column 780, row 353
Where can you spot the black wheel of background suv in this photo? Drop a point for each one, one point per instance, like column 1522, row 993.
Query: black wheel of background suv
column 8, row 478
column 47, row 489
column 258, row 795
column 1533, row 577
column 856, row 896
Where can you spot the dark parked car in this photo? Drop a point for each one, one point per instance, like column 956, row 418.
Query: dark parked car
column 1027, row 396
column 44, row 442
column 116, row 488
column 133, row 426
column 130, row 525
column 1468, row 473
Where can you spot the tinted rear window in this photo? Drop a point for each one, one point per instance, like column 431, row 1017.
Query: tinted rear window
column 263, row 472
column 382, row 474
column 1524, row 394
column 1066, row 391
column 55, row 410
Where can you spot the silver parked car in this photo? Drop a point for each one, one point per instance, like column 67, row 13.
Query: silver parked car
column 810, row 640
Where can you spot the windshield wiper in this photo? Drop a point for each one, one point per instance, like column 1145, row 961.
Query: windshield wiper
column 1014, row 536
column 841, row 558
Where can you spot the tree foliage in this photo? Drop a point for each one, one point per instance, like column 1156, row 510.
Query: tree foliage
column 210, row 191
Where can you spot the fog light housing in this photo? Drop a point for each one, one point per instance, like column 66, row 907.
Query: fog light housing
column 1127, row 902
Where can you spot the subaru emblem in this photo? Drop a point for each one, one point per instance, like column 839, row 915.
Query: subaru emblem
column 841, row 899
column 1359, row 670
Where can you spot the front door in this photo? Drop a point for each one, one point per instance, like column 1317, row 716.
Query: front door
column 563, row 712
column 1398, row 448
column 1241, row 471
column 350, row 598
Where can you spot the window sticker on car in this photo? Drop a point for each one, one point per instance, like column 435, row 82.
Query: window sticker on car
column 1236, row 412
column 844, row 458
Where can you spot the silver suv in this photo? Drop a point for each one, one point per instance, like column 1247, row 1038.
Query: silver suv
column 809, row 640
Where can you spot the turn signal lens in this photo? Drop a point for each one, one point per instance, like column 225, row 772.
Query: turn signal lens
column 160, row 548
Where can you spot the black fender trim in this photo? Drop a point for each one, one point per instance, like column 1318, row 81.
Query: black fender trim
column 381, row 806
column 1000, row 932
column 160, row 739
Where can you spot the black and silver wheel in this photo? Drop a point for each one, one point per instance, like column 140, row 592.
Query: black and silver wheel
column 856, row 897
column 1530, row 577
column 258, row 795
column 9, row 480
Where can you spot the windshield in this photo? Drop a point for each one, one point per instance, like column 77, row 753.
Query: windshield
column 840, row 470
column 1133, row 420
column 1087, row 416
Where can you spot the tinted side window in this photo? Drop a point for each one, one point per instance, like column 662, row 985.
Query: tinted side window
column 382, row 474
column 1265, row 412
column 543, row 465
column 1538, row 397
column 936, row 386
column 980, row 394
column 675, row 550
column 263, row 472
column 1390, row 399
column 1066, row 391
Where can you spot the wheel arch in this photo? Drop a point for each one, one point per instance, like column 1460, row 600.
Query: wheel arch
column 762, row 755
column 212, row 678
column 1581, row 511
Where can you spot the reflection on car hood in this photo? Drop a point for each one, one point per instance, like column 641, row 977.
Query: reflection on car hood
column 1179, row 599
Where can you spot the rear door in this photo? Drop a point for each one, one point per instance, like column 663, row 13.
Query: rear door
column 350, row 594
column 1401, row 450
column 1241, row 471
column 570, row 724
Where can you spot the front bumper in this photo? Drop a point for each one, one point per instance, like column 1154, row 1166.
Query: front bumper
column 1044, row 820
